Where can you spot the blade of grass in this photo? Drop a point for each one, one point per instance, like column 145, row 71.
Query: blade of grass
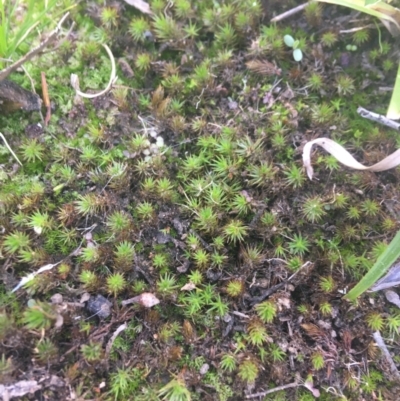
column 381, row 266
column 3, row 31
column 385, row 12
column 394, row 107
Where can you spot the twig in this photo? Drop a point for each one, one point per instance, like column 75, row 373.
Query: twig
column 114, row 336
column 356, row 29
column 33, row 90
column 46, row 98
column 7, row 71
column 381, row 344
column 273, row 390
column 276, row 287
column 289, row 13
column 378, row 118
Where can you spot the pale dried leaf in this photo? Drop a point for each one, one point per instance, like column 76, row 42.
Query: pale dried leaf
column 113, row 78
column 31, row 276
column 140, row 5
column 393, row 297
column 147, row 299
column 310, row 386
column 59, row 321
column 344, row 157
column 122, row 327
column 188, row 287
column 19, row 389
column 390, row 279
column 284, row 301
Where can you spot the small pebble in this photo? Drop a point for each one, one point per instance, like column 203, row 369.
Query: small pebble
column 99, row 305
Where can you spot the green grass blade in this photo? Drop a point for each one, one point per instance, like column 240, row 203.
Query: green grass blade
column 379, row 9
column 381, row 266
column 3, row 31
column 394, row 107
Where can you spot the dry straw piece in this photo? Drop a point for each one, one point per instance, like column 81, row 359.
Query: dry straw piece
column 344, row 157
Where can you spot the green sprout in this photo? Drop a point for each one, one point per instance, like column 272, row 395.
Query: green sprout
column 175, row 390
column 92, row 352
column 248, row 371
column 317, row 360
column 116, row 283
column 228, row 362
column 294, row 44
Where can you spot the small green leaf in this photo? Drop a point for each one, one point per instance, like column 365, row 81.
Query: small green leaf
column 297, row 55
column 394, row 106
column 289, row 41
column 369, row 2
column 381, row 266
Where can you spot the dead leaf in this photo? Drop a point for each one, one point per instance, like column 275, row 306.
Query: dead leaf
column 390, row 279
column 113, row 78
column 147, row 299
column 140, row 5
column 313, row 331
column 263, row 67
column 310, row 386
column 121, row 328
column 19, row 389
column 393, row 297
column 188, row 287
column 344, row 157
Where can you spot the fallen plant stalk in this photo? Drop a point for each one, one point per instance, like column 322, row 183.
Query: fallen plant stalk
column 113, row 78
column 344, row 157
column 9, row 148
column 381, row 344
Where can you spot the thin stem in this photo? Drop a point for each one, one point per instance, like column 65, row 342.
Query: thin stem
column 9, row 148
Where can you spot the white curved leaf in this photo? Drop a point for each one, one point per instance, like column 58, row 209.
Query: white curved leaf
column 344, row 157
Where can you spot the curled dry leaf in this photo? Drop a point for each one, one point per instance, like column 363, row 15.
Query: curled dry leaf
column 344, row 157
column 113, row 78
column 310, row 386
column 147, row 299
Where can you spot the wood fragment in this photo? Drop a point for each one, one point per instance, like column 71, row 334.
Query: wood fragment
column 273, row 390
column 381, row 344
column 46, row 99
column 13, row 98
column 289, row 13
column 378, row 118
column 114, row 336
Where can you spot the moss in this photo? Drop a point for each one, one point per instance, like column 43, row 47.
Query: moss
column 208, row 222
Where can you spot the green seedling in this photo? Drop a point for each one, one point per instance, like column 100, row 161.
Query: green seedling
column 294, row 44
column 351, row 48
